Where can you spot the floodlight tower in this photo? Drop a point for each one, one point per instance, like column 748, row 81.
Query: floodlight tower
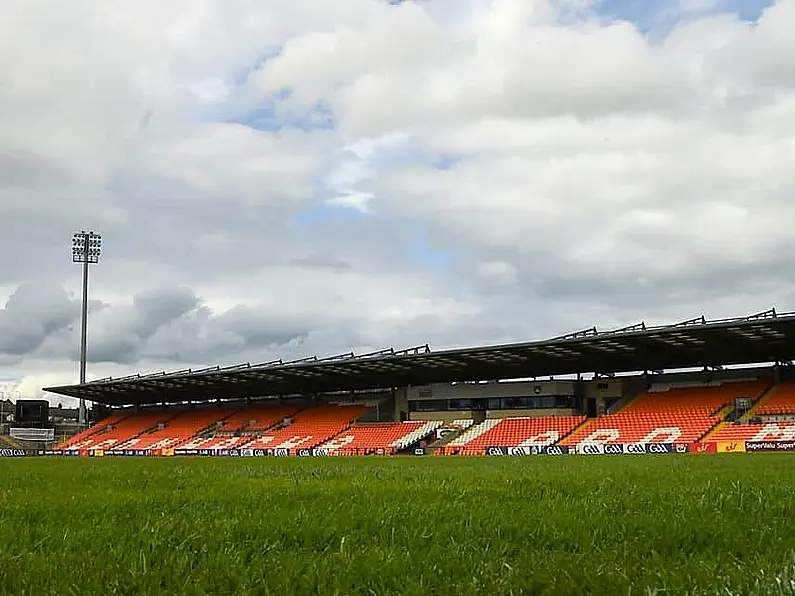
column 86, row 248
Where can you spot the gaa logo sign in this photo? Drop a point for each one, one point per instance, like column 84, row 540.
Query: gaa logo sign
column 636, row 448
column 613, row 449
column 259, row 453
column 304, row 453
column 281, row 452
column 12, row 453
column 555, row 450
column 494, row 451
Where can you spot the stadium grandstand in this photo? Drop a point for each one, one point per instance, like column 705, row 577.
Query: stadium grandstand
column 694, row 386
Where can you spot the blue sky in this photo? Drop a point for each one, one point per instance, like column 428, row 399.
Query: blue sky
column 271, row 116
column 651, row 16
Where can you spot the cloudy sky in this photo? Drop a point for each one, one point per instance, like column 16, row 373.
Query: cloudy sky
column 287, row 178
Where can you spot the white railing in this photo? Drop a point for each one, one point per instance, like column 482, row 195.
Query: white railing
column 44, row 435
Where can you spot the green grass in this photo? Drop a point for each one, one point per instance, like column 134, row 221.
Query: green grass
column 449, row 526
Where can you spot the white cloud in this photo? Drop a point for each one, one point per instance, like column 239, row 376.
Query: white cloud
column 568, row 168
column 225, row 163
column 498, row 273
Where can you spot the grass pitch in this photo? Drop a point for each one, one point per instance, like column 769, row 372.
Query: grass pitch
column 449, row 526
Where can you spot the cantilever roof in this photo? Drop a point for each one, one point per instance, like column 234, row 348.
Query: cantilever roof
column 764, row 337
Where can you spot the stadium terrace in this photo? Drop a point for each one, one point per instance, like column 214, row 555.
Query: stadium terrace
column 639, row 399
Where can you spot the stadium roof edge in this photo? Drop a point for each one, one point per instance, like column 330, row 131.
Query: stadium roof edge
column 681, row 344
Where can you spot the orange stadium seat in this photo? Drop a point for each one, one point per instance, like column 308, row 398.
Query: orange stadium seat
column 215, row 443
column 177, row 430
column 755, row 433
column 386, row 438
column 100, row 426
column 780, row 402
column 513, row 432
column 310, row 428
column 675, row 415
column 257, row 417
column 247, row 420
column 110, row 436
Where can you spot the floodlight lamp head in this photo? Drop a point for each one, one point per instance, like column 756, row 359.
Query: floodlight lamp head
column 86, row 247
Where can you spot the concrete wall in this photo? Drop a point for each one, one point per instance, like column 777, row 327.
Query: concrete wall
column 491, row 389
column 529, row 413
column 765, row 372
column 603, row 391
column 401, row 403
column 444, row 416
column 603, row 388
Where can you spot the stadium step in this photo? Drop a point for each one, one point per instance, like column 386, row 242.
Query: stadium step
column 713, row 431
column 625, row 402
column 209, row 430
column 578, row 432
column 9, row 443
column 724, row 411
column 417, row 435
column 768, row 393
column 445, row 439
column 474, row 432
column 579, row 428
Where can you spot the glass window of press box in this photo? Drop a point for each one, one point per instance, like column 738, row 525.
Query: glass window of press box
column 536, row 402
